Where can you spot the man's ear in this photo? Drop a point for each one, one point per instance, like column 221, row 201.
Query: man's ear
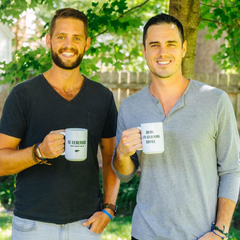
column 184, row 48
column 48, row 40
column 143, row 51
column 88, row 43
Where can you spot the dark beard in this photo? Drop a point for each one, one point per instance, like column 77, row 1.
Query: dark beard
column 57, row 60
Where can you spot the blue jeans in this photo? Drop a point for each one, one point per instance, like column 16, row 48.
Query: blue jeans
column 24, row 229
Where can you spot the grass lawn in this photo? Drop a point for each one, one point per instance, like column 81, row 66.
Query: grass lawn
column 117, row 229
column 5, row 226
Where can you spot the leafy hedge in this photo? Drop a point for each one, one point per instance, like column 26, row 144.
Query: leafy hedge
column 7, row 186
column 236, row 216
column 126, row 200
column 127, row 194
column 126, row 197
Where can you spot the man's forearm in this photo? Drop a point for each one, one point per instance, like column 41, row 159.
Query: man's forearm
column 13, row 161
column 124, row 165
column 110, row 181
column 225, row 212
column 110, row 184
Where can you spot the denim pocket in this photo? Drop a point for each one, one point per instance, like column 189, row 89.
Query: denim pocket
column 87, row 229
column 23, row 225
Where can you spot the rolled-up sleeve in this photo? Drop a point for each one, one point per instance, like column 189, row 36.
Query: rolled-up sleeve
column 227, row 146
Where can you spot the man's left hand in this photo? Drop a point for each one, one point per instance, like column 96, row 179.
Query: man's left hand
column 98, row 221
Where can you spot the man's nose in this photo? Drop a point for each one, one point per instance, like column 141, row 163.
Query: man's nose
column 68, row 42
column 162, row 51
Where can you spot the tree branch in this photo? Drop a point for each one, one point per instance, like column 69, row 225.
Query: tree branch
column 220, row 23
column 211, row 6
column 138, row 6
column 215, row 6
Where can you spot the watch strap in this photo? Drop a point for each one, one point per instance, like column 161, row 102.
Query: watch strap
column 110, row 206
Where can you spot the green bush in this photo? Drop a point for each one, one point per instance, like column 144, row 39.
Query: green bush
column 236, row 216
column 126, row 199
column 7, row 186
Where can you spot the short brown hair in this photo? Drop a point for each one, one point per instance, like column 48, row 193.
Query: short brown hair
column 69, row 13
column 162, row 19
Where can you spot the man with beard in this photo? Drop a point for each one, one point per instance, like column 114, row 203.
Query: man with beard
column 190, row 190
column 56, row 198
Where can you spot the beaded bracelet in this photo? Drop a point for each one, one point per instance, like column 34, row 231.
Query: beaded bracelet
column 218, row 235
column 36, row 158
column 214, row 227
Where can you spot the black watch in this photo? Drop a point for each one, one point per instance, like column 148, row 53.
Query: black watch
column 110, row 206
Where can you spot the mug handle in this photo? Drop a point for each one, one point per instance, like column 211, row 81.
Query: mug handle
column 141, row 132
column 64, row 134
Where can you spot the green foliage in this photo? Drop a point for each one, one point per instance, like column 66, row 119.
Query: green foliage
column 121, row 224
column 234, row 234
column 7, row 186
column 5, row 225
column 223, row 19
column 26, row 64
column 236, row 217
column 11, row 9
column 118, row 229
column 114, row 27
column 127, row 195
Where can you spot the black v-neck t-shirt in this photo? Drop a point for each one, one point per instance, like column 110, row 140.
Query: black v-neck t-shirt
column 65, row 191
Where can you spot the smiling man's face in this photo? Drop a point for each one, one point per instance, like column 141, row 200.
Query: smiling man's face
column 164, row 50
column 68, row 43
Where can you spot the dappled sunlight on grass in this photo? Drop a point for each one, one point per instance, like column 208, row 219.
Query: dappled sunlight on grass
column 5, row 226
column 118, row 229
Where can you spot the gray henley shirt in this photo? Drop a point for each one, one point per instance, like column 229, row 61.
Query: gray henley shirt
column 179, row 188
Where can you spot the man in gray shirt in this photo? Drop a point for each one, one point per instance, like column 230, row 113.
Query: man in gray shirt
column 190, row 190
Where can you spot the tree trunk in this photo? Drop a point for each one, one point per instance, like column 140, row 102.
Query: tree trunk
column 188, row 13
column 16, row 32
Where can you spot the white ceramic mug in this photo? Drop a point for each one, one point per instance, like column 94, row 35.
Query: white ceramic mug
column 75, row 144
column 152, row 137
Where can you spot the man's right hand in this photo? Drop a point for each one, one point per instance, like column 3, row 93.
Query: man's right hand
column 52, row 145
column 130, row 142
column 14, row 160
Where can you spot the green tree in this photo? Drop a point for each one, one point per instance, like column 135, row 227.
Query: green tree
column 220, row 17
column 223, row 17
column 115, row 27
